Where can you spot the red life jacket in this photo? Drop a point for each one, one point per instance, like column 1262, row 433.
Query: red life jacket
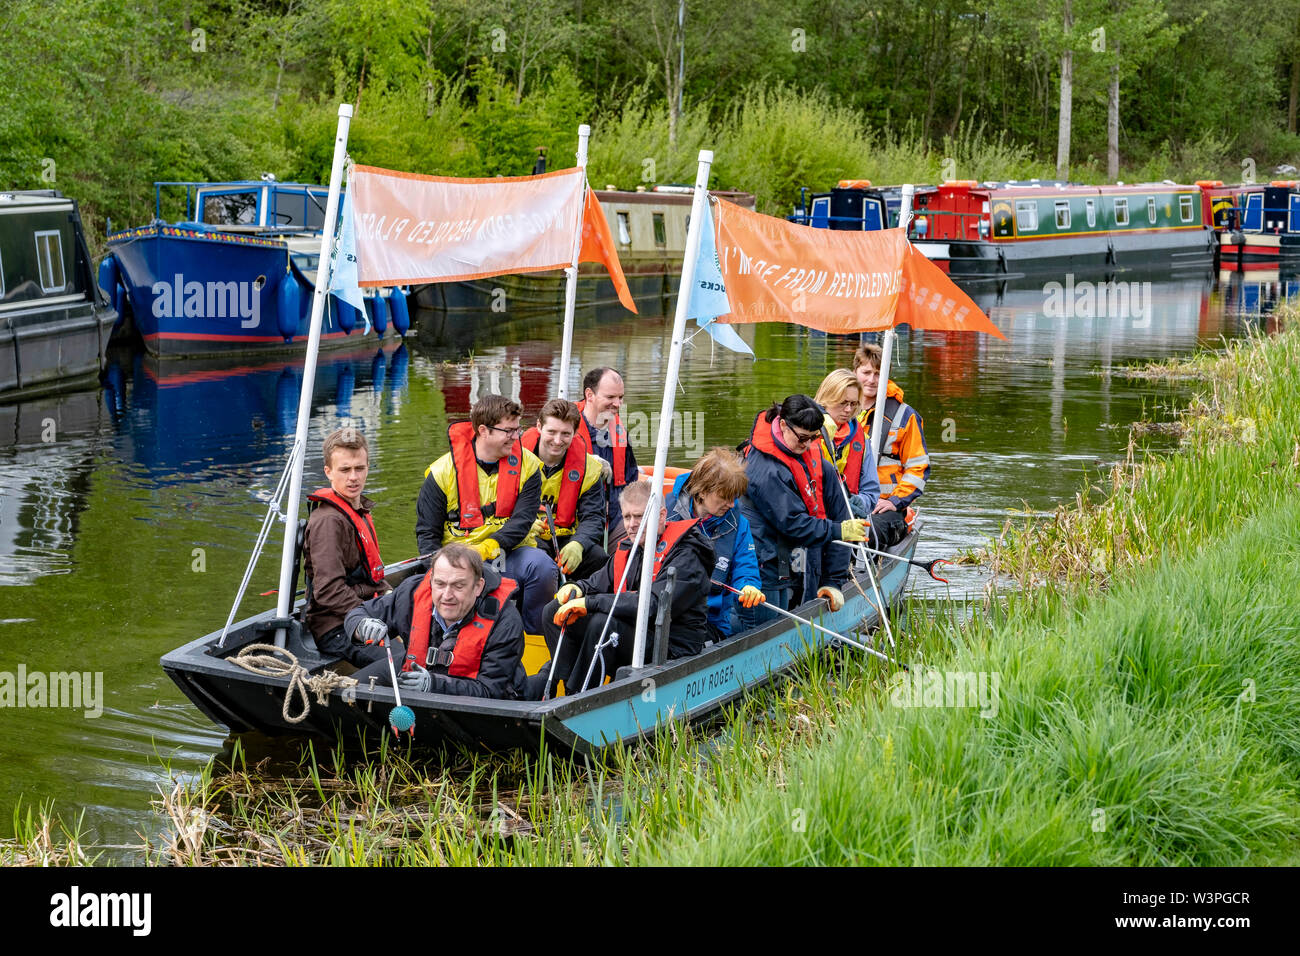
column 472, row 637
column 574, row 466
column 617, row 435
column 806, row 469
column 857, row 449
column 461, row 436
column 367, row 540
column 672, row 534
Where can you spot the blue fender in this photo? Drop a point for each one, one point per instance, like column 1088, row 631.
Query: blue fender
column 110, row 282
column 378, row 310
column 398, row 364
column 288, row 305
column 401, row 312
column 346, row 313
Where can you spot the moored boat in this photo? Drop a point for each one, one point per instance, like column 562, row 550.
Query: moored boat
column 235, row 275
column 54, row 325
column 1269, row 234
column 991, row 229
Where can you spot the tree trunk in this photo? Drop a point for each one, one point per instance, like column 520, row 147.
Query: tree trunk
column 1067, row 103
column 1112, row 121
column 1295, row 90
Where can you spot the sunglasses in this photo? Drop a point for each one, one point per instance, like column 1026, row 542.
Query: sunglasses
column 801, row 438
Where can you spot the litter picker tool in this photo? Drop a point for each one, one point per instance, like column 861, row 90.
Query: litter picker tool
column 927, row 566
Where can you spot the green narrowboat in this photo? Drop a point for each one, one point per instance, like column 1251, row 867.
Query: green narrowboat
column 977, row 229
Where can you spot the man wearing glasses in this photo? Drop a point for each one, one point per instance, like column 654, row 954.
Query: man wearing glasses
column 792, row 503
column 485, row 493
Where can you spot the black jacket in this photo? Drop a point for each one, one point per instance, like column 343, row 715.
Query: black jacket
column 694, row 559
column 500, row 673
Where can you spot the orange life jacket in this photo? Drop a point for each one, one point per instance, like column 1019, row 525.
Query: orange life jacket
column 461, row 437
column 367, row 540
column 471, row 639
column 575, row 461
column 618, row 438
column 806, row 469
column 672, row 534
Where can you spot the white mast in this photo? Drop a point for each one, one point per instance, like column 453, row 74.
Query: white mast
column 571, row 285
column 890, row 336
column 284, row 601
column 699, row 209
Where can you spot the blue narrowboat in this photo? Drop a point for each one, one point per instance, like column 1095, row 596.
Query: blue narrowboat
column 235, row 275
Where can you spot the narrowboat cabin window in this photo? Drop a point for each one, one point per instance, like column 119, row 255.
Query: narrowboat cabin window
column 1185, row 208
column 1090, row 208
column 49, row 260
column 230, row 209
column 661, row 231
column 624, row 233
column 1121, row 212
column 1151, row 209
column 1062, row 214
column 1026, row 215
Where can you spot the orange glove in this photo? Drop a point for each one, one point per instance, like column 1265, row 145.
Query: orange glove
column 833, row 595
column 751, row 596
column 570, row 612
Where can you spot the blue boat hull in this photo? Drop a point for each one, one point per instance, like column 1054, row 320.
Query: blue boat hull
column 197, row 292
column 626, row 710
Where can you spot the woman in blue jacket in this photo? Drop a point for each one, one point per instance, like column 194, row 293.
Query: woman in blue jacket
column 709, row 492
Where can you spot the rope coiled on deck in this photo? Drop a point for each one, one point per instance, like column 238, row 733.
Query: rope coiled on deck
column 267, row 660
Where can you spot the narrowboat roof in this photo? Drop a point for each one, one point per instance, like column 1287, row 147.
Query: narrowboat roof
column 30, row 200
column 1040, row 189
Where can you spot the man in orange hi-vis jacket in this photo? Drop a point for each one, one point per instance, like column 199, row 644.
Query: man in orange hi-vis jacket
column 903, row 463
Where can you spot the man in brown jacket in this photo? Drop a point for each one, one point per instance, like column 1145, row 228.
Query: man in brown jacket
column 340, row 549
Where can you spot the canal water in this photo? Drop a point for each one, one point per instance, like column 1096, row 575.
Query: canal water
column 127, row 514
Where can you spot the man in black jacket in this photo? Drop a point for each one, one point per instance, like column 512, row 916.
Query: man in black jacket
column 582, row 608
column 453, row 630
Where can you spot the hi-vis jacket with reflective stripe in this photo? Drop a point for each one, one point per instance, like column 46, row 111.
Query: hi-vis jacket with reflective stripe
column 903, row 463
column 437, row 510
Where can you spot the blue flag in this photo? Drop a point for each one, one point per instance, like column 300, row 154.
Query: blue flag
column 343, row 275
column 709, row 294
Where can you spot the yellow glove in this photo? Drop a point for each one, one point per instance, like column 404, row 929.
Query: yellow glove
column 853, row 530
column 567, row 593
column 833, row 595
column 751, row 596
column 570, row 612
column 487, row 548
column 570, row 557
column 539, row 529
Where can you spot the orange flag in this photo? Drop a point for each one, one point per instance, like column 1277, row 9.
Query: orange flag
column 598, row 246
column 837, row 281
column 930, row 300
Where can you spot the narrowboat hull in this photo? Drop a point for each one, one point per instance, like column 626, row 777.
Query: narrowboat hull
column 633, row 706
column 1190, row 249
